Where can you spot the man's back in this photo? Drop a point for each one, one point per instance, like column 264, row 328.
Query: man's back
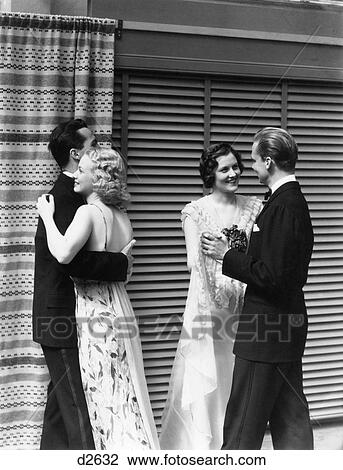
column 53, row 289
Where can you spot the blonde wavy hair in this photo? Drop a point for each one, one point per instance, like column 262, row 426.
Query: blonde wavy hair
column 109, row 180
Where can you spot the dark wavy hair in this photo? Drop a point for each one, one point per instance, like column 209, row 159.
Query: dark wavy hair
column 109, row 180
column 209, row 163
column 64, row 138
column 278, row 145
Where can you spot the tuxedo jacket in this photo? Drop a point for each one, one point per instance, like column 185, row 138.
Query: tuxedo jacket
column 273, row 323
column 54, row 299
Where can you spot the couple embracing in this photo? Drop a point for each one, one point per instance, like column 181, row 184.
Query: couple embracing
column 82, row 316
column 97, row 397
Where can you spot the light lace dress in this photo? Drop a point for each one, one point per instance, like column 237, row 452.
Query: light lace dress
column 201, row 377
column 112, row 368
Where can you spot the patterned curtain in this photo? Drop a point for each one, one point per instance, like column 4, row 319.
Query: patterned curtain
column 52, row 69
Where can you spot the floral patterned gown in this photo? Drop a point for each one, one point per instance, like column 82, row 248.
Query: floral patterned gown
column 201, row 377
column 112, row 369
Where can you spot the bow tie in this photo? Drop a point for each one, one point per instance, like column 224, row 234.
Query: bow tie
column 267, row 195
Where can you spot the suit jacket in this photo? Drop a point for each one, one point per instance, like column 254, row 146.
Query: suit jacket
column 273, row 323
column 54, row 298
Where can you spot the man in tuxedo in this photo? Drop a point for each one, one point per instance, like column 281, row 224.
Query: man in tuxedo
column 270, row 340
column 66, row 422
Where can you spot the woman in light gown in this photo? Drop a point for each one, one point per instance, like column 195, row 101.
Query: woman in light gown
column 109, row 347
column 202, row 372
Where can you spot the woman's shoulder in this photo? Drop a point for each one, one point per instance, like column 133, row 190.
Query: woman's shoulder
column 197, row 203
column 85, row 210
column 92, row 211
column 193, row 208
column 97, row 213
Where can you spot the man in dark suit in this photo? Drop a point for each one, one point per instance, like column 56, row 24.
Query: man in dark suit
column 66, row 422
column 270, row 340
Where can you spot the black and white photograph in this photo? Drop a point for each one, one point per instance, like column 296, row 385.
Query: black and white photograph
column 171, row 243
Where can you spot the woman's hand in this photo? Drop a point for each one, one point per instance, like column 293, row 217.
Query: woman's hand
column 46, row 206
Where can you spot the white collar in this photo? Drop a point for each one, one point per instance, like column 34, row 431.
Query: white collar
column 68, row 173
column 281, row 182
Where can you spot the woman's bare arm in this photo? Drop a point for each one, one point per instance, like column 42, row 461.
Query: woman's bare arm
column 65, row 247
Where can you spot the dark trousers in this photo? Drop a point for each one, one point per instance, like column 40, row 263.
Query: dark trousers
column 66, row 422
column 263, row 392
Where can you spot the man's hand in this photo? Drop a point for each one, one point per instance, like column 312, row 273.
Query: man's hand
column 127, row 248
column 214, row 246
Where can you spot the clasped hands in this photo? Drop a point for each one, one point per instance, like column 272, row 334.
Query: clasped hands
column 214, row 246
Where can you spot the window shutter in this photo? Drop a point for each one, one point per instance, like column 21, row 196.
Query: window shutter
column 315, row 115
column 117, row 113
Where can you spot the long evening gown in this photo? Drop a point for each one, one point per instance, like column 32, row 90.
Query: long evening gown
column 112, row 369
column 202, row 372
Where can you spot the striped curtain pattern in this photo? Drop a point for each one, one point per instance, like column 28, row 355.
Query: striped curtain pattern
column 51, row 69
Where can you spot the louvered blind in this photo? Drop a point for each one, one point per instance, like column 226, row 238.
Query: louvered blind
column 117, row 113
column 238, row 111
column 315, row 118
column 166, row 126
column 165, row 138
